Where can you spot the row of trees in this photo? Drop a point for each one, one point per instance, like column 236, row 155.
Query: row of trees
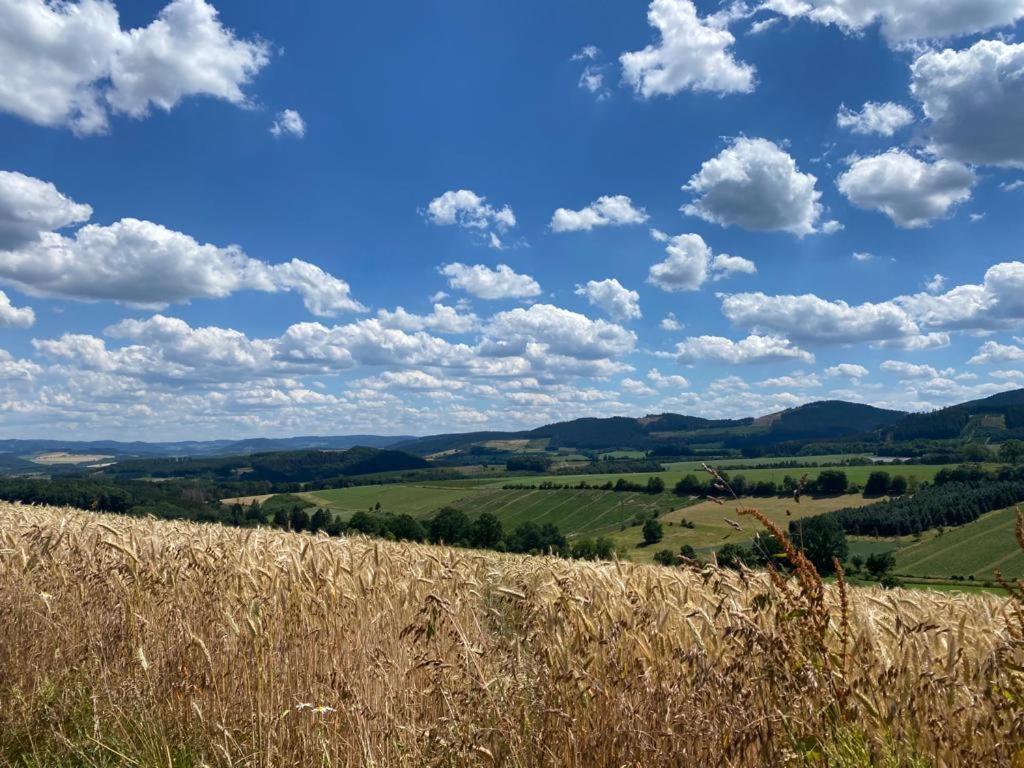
column 654, row 485
column 829, row 482
column 950, row 504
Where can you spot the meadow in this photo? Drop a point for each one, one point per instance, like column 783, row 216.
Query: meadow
column 975, row 549
column 135, row 642
column 711, row 530
column 575, row 512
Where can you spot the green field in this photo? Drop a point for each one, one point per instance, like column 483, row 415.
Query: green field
column 712, row 531
column 575, row 512
column 975, row 549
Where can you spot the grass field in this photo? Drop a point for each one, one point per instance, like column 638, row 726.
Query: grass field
column 975, row 549
column 136, row 642
column 575, row 512
column 712, row 530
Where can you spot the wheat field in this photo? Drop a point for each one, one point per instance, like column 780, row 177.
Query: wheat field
column 130, row 642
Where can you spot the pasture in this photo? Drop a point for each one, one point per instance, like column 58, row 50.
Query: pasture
column 575, row 512
column 711, row 530
column 976, row 549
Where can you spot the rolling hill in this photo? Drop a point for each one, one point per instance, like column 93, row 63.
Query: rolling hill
column 1000, row 416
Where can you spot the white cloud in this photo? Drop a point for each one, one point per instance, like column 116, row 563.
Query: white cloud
column 904, row 21
column 442, row 319
column 637, row 387
column 288, row 123
column 692, row 54
column 994, row 352
column 882, row 118
column 974, row 101
column 862, row 256
column 608, row 210
column 670, row 323
column 690, row 263
column 485, row 283
column 910, row 370
column 723, row 266
column 561, row 333
column 848, row 370
column 71, row 64
column 145, row 264
column 1012, row 186
column 1008, row 375
column 592, row 80
column 29, row 207
column 753, row 349
column 755, row 184
column 808, row 318
column 466, row 209
column 936, row 283
column 916, row 343
column 587, row 53
column 14, row 317
column 611, row 298
column 136, row 262
column 796, row 381
column 13, row 369
column 671, row 381
column 909, row 191
column 997, row 303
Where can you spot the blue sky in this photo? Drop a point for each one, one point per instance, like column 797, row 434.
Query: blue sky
column 210, row 214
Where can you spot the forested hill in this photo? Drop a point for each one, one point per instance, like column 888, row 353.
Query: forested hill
column 280, row 467
column 1000, row 416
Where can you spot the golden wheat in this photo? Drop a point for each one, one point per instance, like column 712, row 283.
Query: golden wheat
column 136, row 642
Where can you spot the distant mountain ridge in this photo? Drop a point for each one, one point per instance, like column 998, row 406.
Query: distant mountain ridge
column 200, row 447
column 996, row 417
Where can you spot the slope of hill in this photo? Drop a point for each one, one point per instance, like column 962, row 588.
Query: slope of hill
column 831, row 419
column 191, row 645
column 952, row 422
column 279, row 467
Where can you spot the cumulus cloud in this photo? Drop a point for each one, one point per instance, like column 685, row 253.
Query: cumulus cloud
column 442, row 319
column 909, row 191
column 14, row 317
column 612, row 298
column 755, row 184
column 753, row 349
column 882, row 118
column 608, row 210
column 466, row 209
column 994, row 352
column 288, row 123
column 145, row 264
column 670, row 381
column 997, row 303
column 71, row 64
column 485, row 283
column 690, row 263
column 559, row 331
column 810, row 319
column 136, row 262
column 974, row 101
column 916, row 343
column 670, row 323
column 910, row 370
column 847, row 370
column 693, row 53
column 30, row 206
column 905, row 21
column 12, row 369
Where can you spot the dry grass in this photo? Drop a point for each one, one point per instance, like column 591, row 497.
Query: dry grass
column 135, row 642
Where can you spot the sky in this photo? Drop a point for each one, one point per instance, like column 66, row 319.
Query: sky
column 234, row 219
